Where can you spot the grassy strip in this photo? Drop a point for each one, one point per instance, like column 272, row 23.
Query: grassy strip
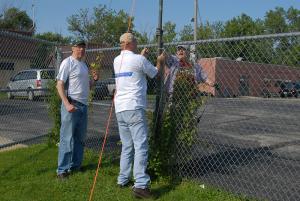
column 28, row 174
column 3, row 95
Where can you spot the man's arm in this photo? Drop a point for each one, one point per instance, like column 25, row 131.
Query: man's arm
column 61, row 91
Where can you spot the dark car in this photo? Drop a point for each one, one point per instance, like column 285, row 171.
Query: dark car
column 104, row 88
column 297, row 88
column 288, row 90
column 101, row 90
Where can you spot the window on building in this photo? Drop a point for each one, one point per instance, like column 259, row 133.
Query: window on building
column 7, row 66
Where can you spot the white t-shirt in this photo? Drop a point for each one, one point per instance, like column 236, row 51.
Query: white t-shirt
column 78, row 75
column 131, row 84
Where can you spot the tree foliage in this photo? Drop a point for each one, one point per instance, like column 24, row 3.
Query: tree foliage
column 15, row 19
column 242, row 25
column 169, row 34
column 54, row 37
column 103, row 26
column 186, row 33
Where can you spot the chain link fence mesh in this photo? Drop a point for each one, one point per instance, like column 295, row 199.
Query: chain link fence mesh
column 26, row 65
column 242, row 134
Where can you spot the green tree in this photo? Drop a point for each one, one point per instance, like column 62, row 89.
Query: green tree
column 275, row 21
column 54, row 37
column 204, row 31
column 217, row 28
column 186, row 34
column 293, row 17
column 242, row 25
column 142, row 38
column 169, row 34
column 15, row 19
column 103, row 26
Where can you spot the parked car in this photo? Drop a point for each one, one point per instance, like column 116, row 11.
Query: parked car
column 297, row 87
column 30, row 83
column 105, row 88
column 288, row 90
column 266, row 93
column 111, row 86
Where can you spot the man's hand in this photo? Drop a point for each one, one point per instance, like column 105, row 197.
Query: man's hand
column 61, row 91
column 70, row 107
column 209, row 82
column 95, row 75
column 145, row 52
column 162, row 57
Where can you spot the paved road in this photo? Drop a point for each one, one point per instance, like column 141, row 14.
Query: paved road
column 22, row 120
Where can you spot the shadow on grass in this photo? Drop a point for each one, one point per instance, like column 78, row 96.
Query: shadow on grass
column 166, row 188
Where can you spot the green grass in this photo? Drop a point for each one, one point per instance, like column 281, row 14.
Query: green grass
column 28, row 174
column 151, row 97
column 3, row 95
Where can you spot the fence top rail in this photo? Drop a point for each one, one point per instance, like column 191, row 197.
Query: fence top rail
column 266, row 36
column 279, row 35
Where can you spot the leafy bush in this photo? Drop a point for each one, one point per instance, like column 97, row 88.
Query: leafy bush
column 54, row 112
column 178, row 127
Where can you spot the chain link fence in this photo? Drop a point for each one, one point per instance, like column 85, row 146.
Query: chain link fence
column 242, row 134
column 26, row 65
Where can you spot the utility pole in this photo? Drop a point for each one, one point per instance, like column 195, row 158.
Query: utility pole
column 159, row 31
column 195, row 19
column 33, row 15
column 158, row 113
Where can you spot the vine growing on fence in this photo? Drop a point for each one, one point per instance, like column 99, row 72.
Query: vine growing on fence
column 179, row 126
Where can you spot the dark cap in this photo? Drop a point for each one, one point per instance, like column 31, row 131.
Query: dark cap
column 78, row 43
column 186, row 47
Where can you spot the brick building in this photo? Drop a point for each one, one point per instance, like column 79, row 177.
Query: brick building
column 242, row 78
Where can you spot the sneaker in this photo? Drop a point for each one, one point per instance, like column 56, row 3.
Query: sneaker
column 141, row 193
column 62, row 176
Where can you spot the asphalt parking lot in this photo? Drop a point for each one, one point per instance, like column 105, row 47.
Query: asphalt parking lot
column 244, row 145
column 249, row 146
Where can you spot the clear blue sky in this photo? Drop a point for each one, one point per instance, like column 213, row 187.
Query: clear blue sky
column 51, row 15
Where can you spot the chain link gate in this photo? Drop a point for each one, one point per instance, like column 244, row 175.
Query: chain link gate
column 241, row 135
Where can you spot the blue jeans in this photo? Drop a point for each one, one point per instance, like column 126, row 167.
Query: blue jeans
column 72, row 134
column 134, row 137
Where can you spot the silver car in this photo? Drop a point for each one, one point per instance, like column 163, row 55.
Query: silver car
column 30, row 83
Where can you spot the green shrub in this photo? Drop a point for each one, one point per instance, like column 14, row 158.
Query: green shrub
column 54, row 104
column 179, row 126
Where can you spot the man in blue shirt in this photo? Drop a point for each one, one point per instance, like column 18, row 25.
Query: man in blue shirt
column 179, row 62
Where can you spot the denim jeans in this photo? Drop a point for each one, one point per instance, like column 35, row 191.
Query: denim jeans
column 72, row 134
column 134, row 137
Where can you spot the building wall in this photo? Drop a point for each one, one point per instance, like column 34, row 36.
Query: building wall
column 209, row 66
column 5, row 75
column 240, row 78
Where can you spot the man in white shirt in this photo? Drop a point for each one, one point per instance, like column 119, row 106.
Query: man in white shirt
column 130, row 104
column 73, row 86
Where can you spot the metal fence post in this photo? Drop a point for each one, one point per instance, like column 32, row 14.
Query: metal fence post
column 158, row 106
column 58, row 59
